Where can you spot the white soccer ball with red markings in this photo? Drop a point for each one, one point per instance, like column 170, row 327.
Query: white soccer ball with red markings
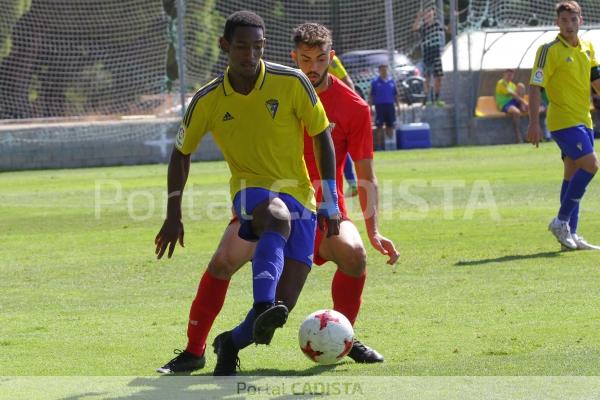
column 326, row 336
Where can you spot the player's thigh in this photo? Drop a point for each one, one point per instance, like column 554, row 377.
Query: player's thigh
column 514, row 111
column 231, row 254
column 291, row 282
column 346, row 250
column 588, row 163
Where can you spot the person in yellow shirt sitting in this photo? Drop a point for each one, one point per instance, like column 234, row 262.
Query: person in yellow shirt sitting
column 510, row 98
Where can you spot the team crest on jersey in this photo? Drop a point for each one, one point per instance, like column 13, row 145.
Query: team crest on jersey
column 569, row 59
column 272, row 106
column 538, row 76
column 180, row 137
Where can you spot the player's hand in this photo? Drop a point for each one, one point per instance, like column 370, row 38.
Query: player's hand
column 386, row 247
column 329, row 223
column 534, row 134
column 170, row 233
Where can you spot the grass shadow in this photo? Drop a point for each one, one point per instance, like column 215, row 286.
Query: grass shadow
column 515, row 257
column 201, row 386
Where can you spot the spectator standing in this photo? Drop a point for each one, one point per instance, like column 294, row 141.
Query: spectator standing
column 432, row 39
column 384, row 96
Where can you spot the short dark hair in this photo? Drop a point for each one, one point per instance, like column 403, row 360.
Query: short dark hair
column 242, row 18
column 312, row 34
column 569, row 6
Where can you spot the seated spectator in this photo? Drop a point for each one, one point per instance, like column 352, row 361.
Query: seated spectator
column 510, row 98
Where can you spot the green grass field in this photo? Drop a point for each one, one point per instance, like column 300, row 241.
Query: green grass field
column 481, row 288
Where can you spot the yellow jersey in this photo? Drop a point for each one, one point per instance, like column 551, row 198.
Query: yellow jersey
column 504, row 92
column 336, row 68
column 565, row 72
column 261, row 133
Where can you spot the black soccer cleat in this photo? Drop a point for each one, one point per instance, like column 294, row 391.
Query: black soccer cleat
column 184, row 363
column 227, row 355
column 265, row 324
column 364, row 354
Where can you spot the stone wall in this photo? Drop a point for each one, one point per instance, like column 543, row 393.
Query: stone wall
column 93, row 144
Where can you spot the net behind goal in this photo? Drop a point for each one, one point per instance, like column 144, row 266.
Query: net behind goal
column 97, row 60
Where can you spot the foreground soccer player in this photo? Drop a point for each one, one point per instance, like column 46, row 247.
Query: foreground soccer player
column 564, row 67
column 352, row 134
column 256, row 112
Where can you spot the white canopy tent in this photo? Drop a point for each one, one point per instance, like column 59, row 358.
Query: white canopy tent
column 496, row 49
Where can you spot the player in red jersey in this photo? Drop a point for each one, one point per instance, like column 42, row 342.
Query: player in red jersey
column 352, row 134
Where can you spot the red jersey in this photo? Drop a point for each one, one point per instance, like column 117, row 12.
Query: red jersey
column 352, row 133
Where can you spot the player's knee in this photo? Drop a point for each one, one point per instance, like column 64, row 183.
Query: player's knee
column 594, row 166
column 221, row 266
column 278, row 218
column 354, row 261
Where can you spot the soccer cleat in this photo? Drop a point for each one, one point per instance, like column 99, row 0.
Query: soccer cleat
column 364, row 354
column 562, row 233
column 440, row 103
column 184, row 363
column 265, row 324
column 227, row 355
column 582, row 244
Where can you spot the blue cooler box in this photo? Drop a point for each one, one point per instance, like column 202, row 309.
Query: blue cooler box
column 413, row 136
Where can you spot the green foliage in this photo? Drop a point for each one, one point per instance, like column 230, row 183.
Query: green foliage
column 93, row 83
column 203, row 27
column 9, row 15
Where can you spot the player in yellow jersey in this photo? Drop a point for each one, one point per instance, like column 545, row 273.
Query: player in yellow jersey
column 336, row 68
column 564, row 68
column 257, row 113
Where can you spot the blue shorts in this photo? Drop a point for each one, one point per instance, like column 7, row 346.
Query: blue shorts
column 574, row 142
column 513, row 102
column 385, row 114
column 300, row 244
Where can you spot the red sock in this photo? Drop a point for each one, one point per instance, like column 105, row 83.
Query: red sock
column 205, row 308
column 346, row 292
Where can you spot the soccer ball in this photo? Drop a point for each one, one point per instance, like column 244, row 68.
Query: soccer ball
column 326, row 336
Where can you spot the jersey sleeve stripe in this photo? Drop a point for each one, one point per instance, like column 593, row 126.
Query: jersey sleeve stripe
column 276, row 70
column 209, row 87
column 544, row 53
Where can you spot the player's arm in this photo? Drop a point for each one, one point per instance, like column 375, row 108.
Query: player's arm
column 540, row 74
column 193, row 128
column 325, row 158
column 515, row 95
column 595, row 72
column 368, row 196
column 348, row 81
column 337, row 69
column 417, row 23
column 172, row 229
column 534, row 131
column 596, row 78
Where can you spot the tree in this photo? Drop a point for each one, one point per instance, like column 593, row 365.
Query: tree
column 9, row 15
